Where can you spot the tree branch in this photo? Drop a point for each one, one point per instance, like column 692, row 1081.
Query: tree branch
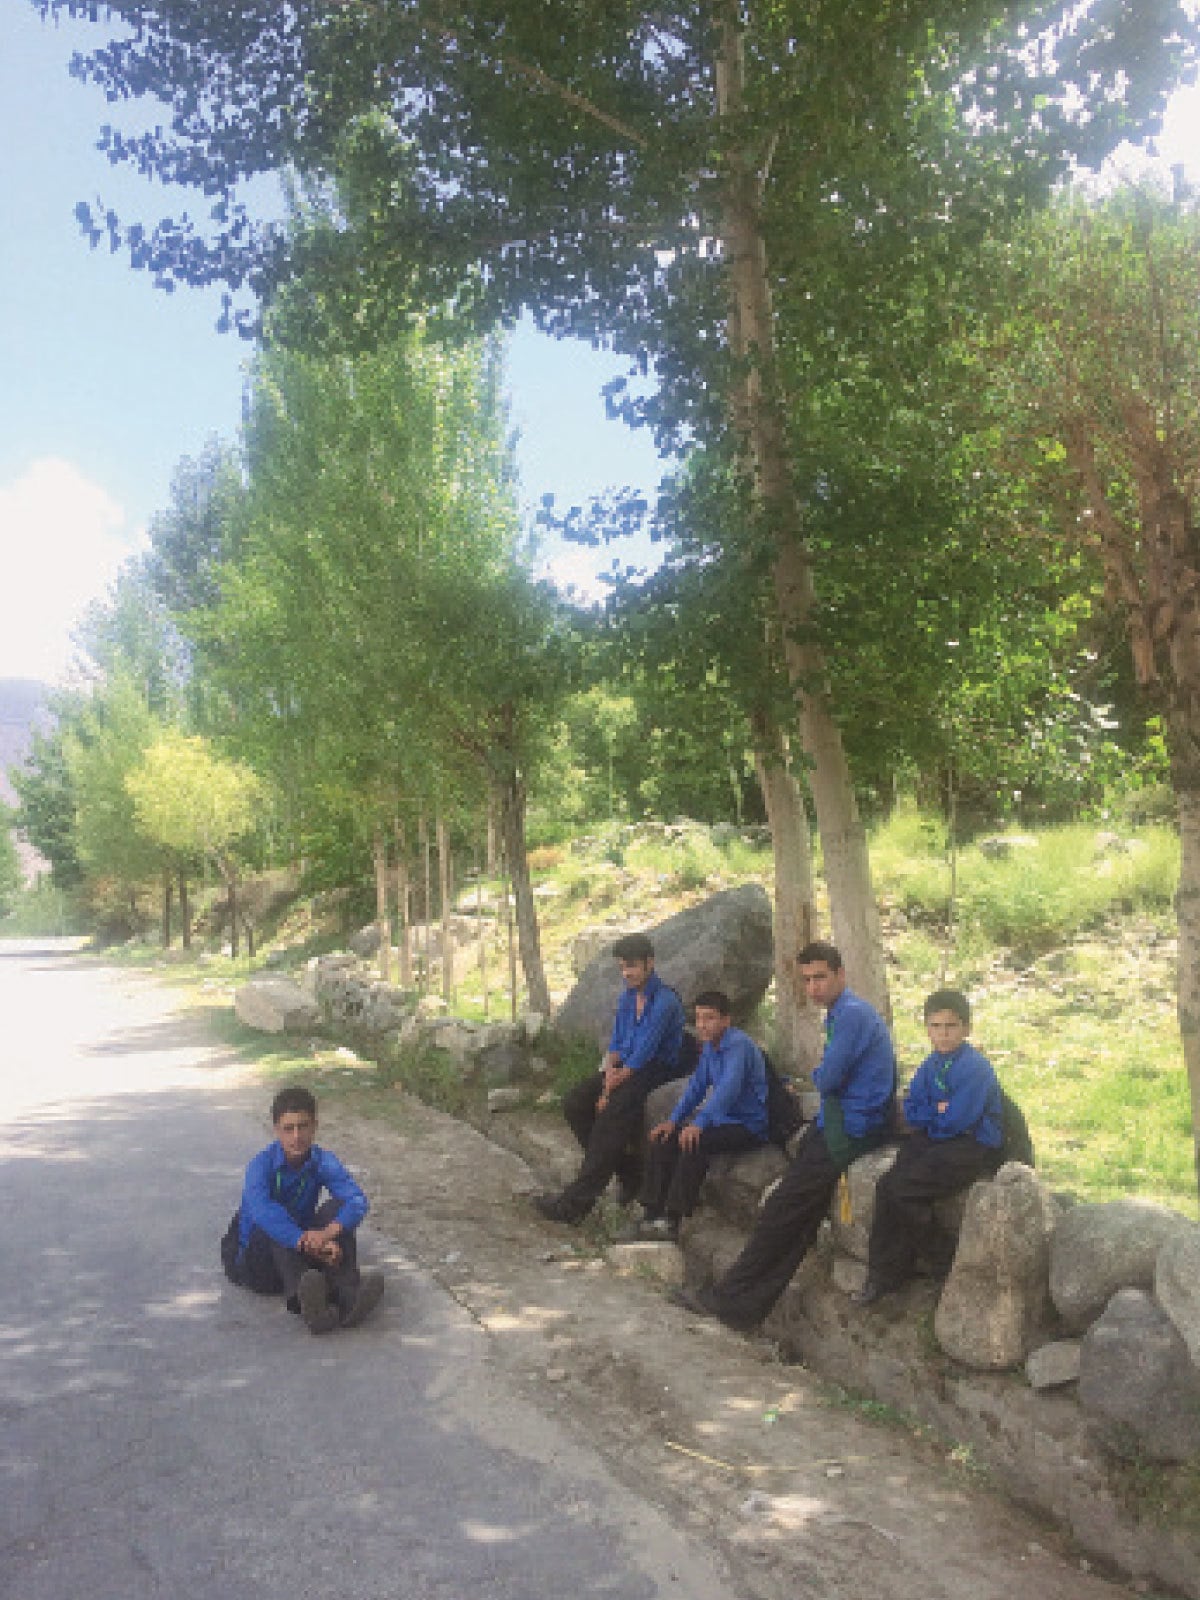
column 522, row 69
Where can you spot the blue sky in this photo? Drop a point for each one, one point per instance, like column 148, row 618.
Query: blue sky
column 106, row 382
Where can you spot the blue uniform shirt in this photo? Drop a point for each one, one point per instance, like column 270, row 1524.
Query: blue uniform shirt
column 736, row 1074
column 283, row 1200
column 657, row 1035
column 858, row 1065
column 966, row 1084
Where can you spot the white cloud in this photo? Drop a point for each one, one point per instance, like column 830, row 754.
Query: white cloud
column 62, row 539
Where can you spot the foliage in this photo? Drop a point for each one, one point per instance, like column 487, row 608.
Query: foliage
column 10, row 867
column 191, row 802
column 43, row 909
column 47, row 811
column 101, row 747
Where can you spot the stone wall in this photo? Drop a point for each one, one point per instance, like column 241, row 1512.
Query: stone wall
column 1063, row 1351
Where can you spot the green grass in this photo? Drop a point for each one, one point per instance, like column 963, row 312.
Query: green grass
column 1067, row 950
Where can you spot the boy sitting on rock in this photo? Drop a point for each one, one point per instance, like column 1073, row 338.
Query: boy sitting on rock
column 722, row 1110
column 284, row 1239
column 954, row 1109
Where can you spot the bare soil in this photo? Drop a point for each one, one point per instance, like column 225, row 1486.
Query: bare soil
column 802, row 1491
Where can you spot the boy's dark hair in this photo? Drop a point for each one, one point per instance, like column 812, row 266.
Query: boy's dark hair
column 633, row 947
column 714, row 1000
column 821, row 950
column 949, row 1000
column 293, row 1098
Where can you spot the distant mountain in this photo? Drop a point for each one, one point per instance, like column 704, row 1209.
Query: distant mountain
column 24, row 710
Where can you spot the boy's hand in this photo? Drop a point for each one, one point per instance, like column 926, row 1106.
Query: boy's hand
column 321, row 1243
column 689, row 1139
column 661, row 1131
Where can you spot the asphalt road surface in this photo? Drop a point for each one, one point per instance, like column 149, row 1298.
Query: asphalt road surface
column 165, row 1434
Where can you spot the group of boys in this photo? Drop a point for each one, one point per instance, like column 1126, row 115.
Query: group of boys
column 952, row 1111
column 285, row 1239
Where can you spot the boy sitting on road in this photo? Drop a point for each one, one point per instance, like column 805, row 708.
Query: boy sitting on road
column 285, row 1240
column 955, row 1111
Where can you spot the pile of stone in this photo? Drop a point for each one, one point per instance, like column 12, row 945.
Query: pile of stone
column 338, row 997
column 1063, row 1346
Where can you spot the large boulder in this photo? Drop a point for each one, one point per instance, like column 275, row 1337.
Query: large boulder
column 723, row 943
column 1098, row 1249
column 1137, row 1381
column 993, row 1306
column 1177, row 1285
column 735, row 1184
column 276, row 1005
column 852, row 1221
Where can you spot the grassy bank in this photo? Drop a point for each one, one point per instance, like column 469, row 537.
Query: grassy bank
column 1064, row 939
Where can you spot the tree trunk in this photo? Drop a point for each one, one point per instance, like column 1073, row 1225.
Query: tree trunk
column 232, row 907
column 491, row 836
column 1173, row 586
column 512, row 831
column 444, row 891
column 482, row 929
column 757, row 413
column 185, row 912
column 167, row 887
column 403, row 891
column 382, row 921
column 798, row 1038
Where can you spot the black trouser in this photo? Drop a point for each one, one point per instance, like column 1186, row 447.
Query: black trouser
column 268, row 1267
column 673, row 1177
column 612, row 1139
column 903, row 1225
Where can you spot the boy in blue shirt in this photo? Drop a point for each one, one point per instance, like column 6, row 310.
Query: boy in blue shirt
column 723, row 1109
column 955, row 1112
column 856, row 1077
column 285, row 1240
column 606, row 1111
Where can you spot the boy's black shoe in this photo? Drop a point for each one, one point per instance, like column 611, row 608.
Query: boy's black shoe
column 650, row 1230
column 368, row 1296
column 551, row 1207
column 313, row 1292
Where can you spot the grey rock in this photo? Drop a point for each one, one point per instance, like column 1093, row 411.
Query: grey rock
column 1098, row 1249
column 502, row 1061
column 849, row 1275
column 851, row 1234
column 503, row 1099
column 1052, row 1365
column 366, row 941
column 994, row 1302
column 735, row 1184
column 1137, row 1381
column 1177, row 1285
column 656, row 1258
column 723, row 943
column 276, row 1005
column 593, row 942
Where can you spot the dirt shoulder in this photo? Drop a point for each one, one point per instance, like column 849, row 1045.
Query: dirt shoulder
column 800, row 1491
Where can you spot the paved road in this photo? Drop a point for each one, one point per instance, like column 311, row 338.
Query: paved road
column 166, row 1435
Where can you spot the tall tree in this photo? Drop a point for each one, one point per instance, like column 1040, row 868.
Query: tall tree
column 373, row 610
column 189, row 802
column 656, row 175
column 1097, row 374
